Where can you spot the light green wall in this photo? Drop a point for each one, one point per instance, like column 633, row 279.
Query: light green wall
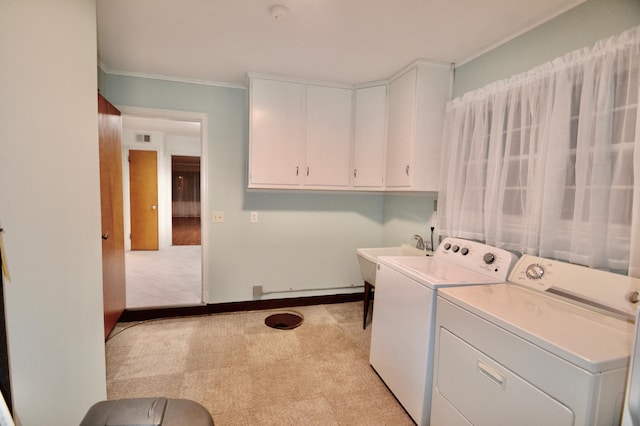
column 301, row 241
column 579, row 27
column 308, row 240
column 576, row 28
column 50, row 209
column 406, row 215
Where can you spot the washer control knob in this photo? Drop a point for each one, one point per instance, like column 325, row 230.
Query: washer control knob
column 447, row 246
column 534, row 271
column 633, row 296
column 464, row 251
column 489, row 258
column 455, row 249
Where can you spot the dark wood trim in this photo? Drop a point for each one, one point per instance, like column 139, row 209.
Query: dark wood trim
column 252, row 305
column 5, row 380
column 368, row 297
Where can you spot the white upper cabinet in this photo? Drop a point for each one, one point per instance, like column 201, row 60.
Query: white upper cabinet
column 328, row 136
column 417, row 103
column 402, row 117
column 328, row 130
column 276, row 153
column 369, row 136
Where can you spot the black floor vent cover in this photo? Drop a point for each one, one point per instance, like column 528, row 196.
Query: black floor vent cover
column 284, row 321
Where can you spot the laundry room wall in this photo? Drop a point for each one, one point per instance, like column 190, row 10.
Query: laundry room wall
column 301, row 241
column 406, row 215
column 579, row 27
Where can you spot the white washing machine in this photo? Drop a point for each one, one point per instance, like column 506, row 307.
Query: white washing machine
column 404, row 312
column 549, row 347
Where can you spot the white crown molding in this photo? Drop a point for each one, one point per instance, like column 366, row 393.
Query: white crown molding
column 302, row 80
column 108, row 70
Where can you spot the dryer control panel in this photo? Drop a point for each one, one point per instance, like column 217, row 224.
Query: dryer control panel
column 598, row 289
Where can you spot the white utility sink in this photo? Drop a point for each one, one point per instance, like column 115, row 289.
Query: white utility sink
column 367, row 257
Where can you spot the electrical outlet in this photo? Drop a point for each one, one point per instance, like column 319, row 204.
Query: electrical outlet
column 254, row 217
column 257, row 291
column 218, row 217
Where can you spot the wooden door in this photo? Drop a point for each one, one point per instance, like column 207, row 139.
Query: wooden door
column 111, row 201
column 143, row 184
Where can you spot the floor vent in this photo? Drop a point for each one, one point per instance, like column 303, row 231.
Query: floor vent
column 284, row 320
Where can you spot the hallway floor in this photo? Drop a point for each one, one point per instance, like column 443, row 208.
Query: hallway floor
column 167, row 277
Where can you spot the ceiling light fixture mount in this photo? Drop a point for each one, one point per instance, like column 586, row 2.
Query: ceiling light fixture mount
column 279, row 13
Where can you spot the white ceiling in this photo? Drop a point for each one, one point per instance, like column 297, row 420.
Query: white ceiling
column 348, row 41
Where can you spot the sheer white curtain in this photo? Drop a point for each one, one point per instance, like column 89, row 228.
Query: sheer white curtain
column 548, row 162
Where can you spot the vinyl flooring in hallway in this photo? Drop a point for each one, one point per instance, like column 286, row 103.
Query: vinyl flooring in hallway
column 246, row 373
column 170, row 276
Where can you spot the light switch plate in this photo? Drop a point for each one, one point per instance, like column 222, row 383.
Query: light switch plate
column 218, row 217
column 254, row 217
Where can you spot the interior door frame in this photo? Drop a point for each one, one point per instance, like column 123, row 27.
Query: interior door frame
column 202, row 118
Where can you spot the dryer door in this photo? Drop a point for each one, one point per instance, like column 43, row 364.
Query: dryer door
column 486, row 393
column 631, row 415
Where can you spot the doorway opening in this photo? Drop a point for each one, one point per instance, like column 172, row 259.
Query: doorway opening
column 185, row 201
column 172, row 275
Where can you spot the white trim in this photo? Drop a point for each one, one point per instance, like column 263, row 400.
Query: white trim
column 301, row 80
column 420, row 61
column 524, row 30
column 108, row 70
column 370, row 84
column 203, row 118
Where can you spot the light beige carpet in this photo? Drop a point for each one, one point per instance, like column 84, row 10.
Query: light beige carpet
column 245, row 373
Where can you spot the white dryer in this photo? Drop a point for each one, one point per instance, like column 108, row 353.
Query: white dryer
column 404, row 313
column 550, row 347
column 631, row 411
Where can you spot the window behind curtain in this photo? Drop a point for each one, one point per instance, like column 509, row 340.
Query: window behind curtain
column 543, row 163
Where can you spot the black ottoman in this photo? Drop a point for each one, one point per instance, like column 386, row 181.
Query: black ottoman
column 147, row 412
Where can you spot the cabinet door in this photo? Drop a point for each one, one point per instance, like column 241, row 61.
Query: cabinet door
column 369, row 136
column 328, row 125
column 276, row 133
column 401, row 133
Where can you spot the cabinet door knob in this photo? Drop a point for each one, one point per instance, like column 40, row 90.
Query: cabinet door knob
column 406, row 170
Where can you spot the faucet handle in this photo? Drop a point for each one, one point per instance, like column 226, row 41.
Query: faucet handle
column 419, row 241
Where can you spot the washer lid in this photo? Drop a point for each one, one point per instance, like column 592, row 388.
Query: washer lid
column 589, row 339
column 434, row 273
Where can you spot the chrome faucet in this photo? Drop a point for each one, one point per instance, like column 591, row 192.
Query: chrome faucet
column 419, row 241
